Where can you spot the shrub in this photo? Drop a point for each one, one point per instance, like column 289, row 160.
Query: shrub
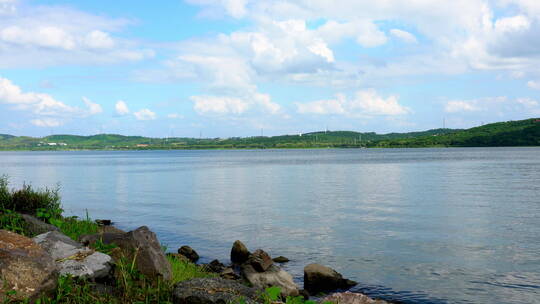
column 11, row 221
column 29, row 200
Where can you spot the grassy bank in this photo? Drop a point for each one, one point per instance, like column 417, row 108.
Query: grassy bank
column 128, row 286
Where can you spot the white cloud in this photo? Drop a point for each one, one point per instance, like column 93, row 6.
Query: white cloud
column 371, row 36
column 234, row 8
column 227, row 105
column 324, row 107
column 145, row 114
column 461, row 106
column 7, row 7
column 121, row 108
column 527, row 102
column 99, row 40
column 219, row 105
column 46, row 122
column 365, row 102
column 500, row 106
column 93, row 108
column 50, row 110
column 46, row 35
column 403, row 35
column 38, row 103
column 534, row 84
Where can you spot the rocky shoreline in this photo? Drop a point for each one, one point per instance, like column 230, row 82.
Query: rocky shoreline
column 30, row 267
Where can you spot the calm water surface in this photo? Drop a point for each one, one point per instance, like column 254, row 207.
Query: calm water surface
column 414, row 225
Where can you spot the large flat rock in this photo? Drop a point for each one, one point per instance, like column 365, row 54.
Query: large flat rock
column 25, row 268
column 74, row 259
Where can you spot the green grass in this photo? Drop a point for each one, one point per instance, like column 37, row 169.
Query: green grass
column 182, row 270
column 74, row 228
column 29, row 200
column 12, row 221
column 129, row 285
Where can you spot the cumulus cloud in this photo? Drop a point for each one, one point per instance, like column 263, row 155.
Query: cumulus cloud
column 524, row 106
column 534, row 84
column 224, row 105
column 219, row 105
column 46, row 122
column 145, row 114
column 38, row 103
column 44, row 36
column 403, row 35
column 121, row 108
column 44, row 105
column 365, row 102
column 93, row 108
column 234, row 8
column 461, row 106
column 7, row 7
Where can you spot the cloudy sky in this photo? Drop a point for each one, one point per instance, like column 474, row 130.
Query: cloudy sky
column 234, row 67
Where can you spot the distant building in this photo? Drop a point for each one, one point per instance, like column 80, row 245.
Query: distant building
column 141, row 145
column 52, row 144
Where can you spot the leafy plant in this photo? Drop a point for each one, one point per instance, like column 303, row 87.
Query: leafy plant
column 29, row 200
column 12, row 221
column 273, row 295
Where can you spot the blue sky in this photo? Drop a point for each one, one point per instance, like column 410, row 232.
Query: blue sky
column 233, row 67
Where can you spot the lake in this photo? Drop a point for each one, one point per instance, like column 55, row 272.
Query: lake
column 414, row 225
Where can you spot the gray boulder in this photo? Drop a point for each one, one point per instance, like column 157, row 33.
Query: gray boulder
column 74, row 259
column 260, row 260
column 351, row 298
column 273, row 276
column 189, row 253
column 239, row 253
column 214, row 290
column 35, row 226
column 140, row 245
column 25, row 268
column 319, row 278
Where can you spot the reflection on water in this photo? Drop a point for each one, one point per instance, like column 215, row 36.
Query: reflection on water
column 417, row 225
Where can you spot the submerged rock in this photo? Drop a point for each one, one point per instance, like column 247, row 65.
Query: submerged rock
column 25, row 268
column 35, row 226
column 351, row 298
column 273, row 276
column 74, row 259
column 239, row 253
column 104, row 222
column 281, row 259
column 189, row 253
column 213, row 290
column 319, row 278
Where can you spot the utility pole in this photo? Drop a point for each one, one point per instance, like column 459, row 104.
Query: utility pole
column 444, row 123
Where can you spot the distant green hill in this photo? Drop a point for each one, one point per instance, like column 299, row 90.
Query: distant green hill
column 511, row 133
column 6, row 136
